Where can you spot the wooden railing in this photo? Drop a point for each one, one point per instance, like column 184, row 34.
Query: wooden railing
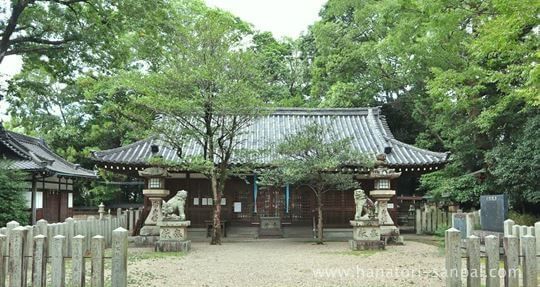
column 27, row 250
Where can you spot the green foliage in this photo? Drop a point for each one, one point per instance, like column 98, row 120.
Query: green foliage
column 448, row 186
column 311, row 157
column 513, row 164
column 12, row 201
column 526, row 219
column 439, row 232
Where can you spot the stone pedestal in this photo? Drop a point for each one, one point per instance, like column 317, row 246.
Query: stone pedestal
column 389, row 231
column 156, row 197
column 270, row 227
column 173, row 236
column 366, row 235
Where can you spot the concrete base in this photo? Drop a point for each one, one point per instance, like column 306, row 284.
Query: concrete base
column 173, row 246
column 391, row 235
column 366, row 230
column 357, row 245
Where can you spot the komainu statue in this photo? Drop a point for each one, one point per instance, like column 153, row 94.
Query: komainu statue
column 364, row 206
column 174, row 208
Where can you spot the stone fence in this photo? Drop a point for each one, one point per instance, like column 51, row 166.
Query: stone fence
column 520, row 254
column 26, row 250
column 430, row 218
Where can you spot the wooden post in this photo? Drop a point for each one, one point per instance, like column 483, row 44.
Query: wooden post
column 453, row 257
column 445, row 218
column 530, row 274
column 119, row 257
column 77, row 262
column 429, row 217
column 492, row 261
column 58, row 271
column 16, row 255
column 131, row 220
column 3, row 240
column 473, row 261
column 439, row 218
column 511, row 261
column 39, row 262
column 98, row 247
column 418, row 224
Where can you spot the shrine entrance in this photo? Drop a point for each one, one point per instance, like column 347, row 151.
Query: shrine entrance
column 270, row 202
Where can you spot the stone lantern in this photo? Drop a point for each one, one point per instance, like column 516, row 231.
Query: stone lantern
column 155, row 192
column 382, row 175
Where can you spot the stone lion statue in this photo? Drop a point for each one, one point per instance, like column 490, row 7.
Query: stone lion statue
column 364, row 205
column 174, row 208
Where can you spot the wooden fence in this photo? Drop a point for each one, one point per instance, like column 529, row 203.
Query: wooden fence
column 26, row 250
column 429, row 219
column 520, row 255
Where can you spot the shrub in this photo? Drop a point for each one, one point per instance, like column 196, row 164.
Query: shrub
column 523, row 218
column 12, row 201
column 439, row 232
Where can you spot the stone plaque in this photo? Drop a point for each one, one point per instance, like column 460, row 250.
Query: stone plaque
column 494, row 211
column 459, row 222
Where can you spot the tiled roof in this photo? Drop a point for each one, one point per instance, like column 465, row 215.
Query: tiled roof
column 366, row 127
column 33, row 154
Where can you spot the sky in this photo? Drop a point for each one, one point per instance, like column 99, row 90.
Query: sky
column 284, row 18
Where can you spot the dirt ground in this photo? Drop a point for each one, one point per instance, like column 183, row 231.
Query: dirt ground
column 286, row 262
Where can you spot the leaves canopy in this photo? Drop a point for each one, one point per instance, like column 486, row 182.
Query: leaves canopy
column 314, row 157
column 12, row 200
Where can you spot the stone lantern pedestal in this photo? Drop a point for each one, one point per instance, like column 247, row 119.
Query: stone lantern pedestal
column 155, row 192
column 366, row 235
column 156, row 197
column 173, row 236
column 382, row 176
column 388, row 230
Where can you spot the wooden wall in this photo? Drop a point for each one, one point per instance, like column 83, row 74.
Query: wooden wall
column 55, row 196
column 338, row 210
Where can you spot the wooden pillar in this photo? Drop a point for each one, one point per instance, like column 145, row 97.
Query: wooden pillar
column 33, row 203
column 287, row 197
column 255, row 191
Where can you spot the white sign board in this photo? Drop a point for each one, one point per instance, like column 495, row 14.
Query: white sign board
column 237, row 207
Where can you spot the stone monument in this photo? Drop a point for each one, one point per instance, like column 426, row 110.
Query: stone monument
column 494, row 212
column 366, row 229
column 382, row 194
column 173, row 225
column 155, row 192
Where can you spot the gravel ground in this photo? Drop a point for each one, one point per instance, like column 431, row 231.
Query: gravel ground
column 284, row 262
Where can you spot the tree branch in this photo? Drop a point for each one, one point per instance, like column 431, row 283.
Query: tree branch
column 17, row 10
column 33, row 39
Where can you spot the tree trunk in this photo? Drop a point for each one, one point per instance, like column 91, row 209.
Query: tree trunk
column 216, row 230
column 320, row 220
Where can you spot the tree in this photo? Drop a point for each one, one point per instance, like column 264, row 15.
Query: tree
column 284, row 69
column 513, row 165
column 12, row 202
column 207, row 93
column 482, row 110
column 314, row 157
column 45, row 27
